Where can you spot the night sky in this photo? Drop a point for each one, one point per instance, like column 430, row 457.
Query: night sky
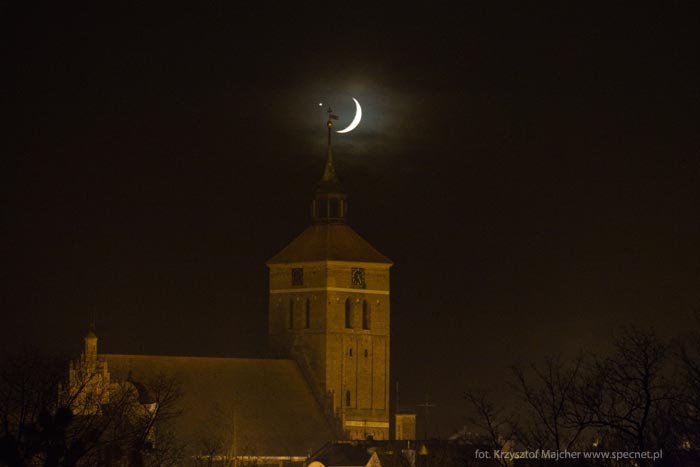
column 533, row 174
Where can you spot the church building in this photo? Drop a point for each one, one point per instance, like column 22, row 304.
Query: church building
column 329, row 311
column 329, row 335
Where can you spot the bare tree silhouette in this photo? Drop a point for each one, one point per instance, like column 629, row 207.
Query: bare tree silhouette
column 43, row 420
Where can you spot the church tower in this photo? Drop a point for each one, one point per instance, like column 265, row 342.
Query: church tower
column 329, row 310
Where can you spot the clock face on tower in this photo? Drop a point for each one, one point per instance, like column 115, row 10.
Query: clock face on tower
column 358, row 277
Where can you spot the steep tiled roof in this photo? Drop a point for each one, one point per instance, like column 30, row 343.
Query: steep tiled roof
column 351, row 454
column 329, row 242
column 265, row 402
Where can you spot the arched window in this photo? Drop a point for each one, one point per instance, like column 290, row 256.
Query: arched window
column 365, row 315
column 366, row 353
column 307, row 317
column 347, row 399
column 350, row 352
column 348, row 314
column 290, row 315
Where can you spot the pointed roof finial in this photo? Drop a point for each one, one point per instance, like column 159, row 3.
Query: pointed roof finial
column 330, row 204
column 91, row 330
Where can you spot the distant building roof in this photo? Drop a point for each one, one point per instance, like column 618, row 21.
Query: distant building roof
column 455, row 453
column 329, row 242
column 265, row 402
column 349, row 454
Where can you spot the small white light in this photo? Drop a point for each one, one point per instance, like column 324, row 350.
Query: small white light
column 320, row 104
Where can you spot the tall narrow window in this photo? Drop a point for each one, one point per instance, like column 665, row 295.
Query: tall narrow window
column 347, row 399
column 290, row 315
column 365, row 315
column 348, row 314
column 307, row 316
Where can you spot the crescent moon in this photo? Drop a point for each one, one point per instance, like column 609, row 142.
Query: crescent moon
column 356, row 120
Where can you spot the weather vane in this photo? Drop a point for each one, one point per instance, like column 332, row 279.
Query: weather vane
column 329, row 124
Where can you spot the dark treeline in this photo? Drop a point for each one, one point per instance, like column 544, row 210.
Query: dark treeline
column 643, row 396
column 45, row 421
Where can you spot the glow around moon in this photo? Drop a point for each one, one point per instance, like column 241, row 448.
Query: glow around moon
column 355, row 121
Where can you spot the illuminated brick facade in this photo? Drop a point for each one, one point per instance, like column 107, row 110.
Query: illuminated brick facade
column 329, row 310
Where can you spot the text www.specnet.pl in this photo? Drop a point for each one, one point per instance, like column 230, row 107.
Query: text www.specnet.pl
column 566, row 455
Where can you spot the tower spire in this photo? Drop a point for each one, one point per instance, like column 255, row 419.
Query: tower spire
column 330, row 204
column 329, row 171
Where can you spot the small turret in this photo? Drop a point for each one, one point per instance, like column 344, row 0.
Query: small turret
column 90, row 354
